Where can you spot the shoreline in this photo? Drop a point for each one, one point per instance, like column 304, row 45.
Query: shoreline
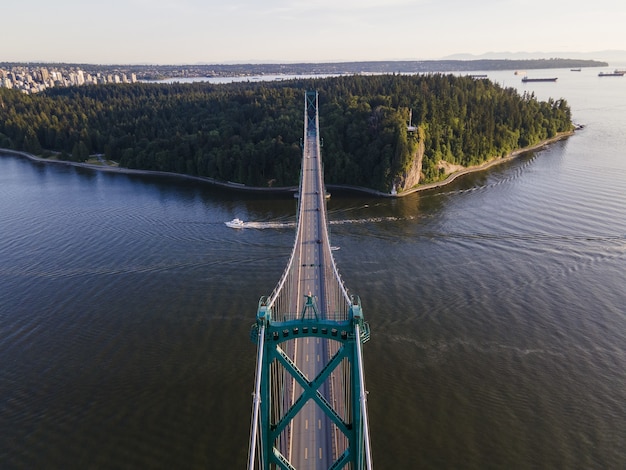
column 163, row 174
column 488, row 164
column 294, row 189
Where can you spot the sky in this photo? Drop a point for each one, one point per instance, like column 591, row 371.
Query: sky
column 270, row 31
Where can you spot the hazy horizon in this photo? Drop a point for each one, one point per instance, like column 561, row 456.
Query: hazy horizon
column 277, row 31
column 608, row 56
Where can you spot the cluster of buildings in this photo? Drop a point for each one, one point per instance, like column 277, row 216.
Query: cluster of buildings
column 33, row 79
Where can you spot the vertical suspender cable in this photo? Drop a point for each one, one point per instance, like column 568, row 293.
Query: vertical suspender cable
column 363, row 400
column 257, row 399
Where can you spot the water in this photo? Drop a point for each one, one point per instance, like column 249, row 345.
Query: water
column 497, row 307
column 243, row 78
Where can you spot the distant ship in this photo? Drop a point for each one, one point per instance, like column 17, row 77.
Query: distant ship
column 552, row 79
column 575, row 70
column 616, row 73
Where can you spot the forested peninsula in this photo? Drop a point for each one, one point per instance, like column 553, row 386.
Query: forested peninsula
column 382, row 132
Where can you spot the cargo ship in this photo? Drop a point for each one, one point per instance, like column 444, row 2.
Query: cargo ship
column 617, row 73
column 551, row 79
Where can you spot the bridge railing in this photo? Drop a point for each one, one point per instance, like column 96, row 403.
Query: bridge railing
column 286, row 277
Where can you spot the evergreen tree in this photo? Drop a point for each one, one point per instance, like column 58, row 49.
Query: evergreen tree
column 250, row 132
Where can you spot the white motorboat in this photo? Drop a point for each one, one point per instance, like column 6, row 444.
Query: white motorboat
column 235, row 223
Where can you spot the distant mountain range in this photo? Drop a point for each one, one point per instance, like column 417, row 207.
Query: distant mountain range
column 607, row 55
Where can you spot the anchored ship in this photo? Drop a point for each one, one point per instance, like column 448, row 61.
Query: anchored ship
column 616, row 73
column 551, row 79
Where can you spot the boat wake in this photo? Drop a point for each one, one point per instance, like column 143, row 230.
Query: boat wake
column 368, row 220
column 240, row 224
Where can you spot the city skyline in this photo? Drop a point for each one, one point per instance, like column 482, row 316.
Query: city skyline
column 195, row 31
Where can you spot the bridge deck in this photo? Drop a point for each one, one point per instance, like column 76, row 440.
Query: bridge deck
column 310, row 376
column 311, row 443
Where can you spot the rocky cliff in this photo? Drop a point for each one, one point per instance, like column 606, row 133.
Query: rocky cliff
column 412, row 175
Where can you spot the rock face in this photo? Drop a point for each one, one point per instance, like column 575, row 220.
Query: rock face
column 412, row 176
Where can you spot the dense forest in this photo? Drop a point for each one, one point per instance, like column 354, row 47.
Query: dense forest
column 250, row 132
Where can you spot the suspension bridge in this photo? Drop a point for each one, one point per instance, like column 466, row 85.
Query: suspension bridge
column 309, row 402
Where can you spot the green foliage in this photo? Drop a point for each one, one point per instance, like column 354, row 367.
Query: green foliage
column 250, row 132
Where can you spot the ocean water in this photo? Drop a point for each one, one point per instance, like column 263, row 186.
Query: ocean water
column 497, row 307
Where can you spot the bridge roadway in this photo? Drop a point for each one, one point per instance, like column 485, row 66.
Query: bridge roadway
column 312, row 440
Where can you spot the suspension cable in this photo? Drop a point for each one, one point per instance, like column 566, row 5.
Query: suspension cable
column 257, row 399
